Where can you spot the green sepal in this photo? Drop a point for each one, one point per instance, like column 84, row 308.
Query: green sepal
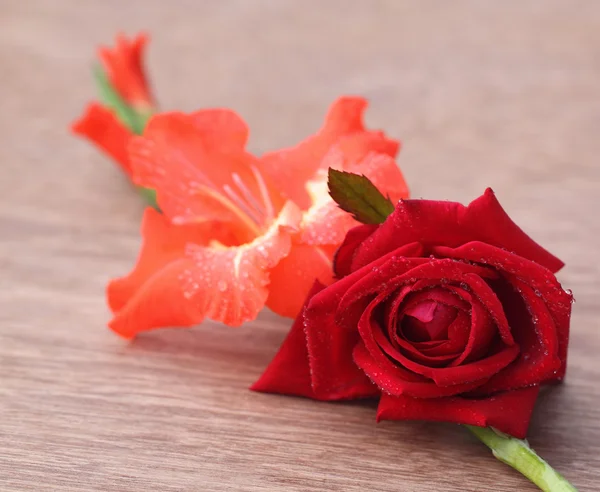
column 132, row 119
column 149, row 195
column 355, row 194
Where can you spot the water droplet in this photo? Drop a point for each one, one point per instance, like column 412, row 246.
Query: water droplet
column 222, row 285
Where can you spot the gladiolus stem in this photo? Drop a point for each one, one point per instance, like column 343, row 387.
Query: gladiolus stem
column 133, row 119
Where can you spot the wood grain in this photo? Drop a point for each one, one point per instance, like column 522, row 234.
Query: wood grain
column 501, row 94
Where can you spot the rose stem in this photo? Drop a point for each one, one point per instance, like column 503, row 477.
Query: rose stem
column 517, row 453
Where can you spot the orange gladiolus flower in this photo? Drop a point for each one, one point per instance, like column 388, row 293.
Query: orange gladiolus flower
column 124, row 67
column 101, row 127
column 238, row 232
column 300, row 172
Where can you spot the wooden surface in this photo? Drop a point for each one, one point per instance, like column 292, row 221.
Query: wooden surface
column 505, row 94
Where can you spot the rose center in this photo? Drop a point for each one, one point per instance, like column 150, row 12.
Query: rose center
column 427, row 321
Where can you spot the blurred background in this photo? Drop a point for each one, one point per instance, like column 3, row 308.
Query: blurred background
column 481, row 93
column 500, row 94
column 499, row 88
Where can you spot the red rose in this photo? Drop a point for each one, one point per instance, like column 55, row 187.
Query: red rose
column 446, row 312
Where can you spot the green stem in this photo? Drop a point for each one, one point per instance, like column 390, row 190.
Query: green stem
column 517, row 453
column 133, row 119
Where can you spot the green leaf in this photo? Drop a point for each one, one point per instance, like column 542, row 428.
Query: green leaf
column 111, row 98
column 356, row 194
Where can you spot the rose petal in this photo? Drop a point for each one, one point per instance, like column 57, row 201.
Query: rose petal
column 535, row 332
column 416, row 350
column 420, row 291
column 342, row 260
column 458, row 335
column 444, row 376
column 423, row 311
column 459, row 330
column 101, row 127
column 289, row 372
column 540, row 280
column 430, row 319
column 421, row 357
column 437, row 223
column 330, row 345
column 402, row 268
column 389, row 376
column 395, row 380
column 392, row 378
column 360, row 294
column 487, row 297
column 431, row 344
column 495, row 227
column 334, row 374
column 391, row 315
column 509, row 412
column 439, row 294
column 481, row 335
